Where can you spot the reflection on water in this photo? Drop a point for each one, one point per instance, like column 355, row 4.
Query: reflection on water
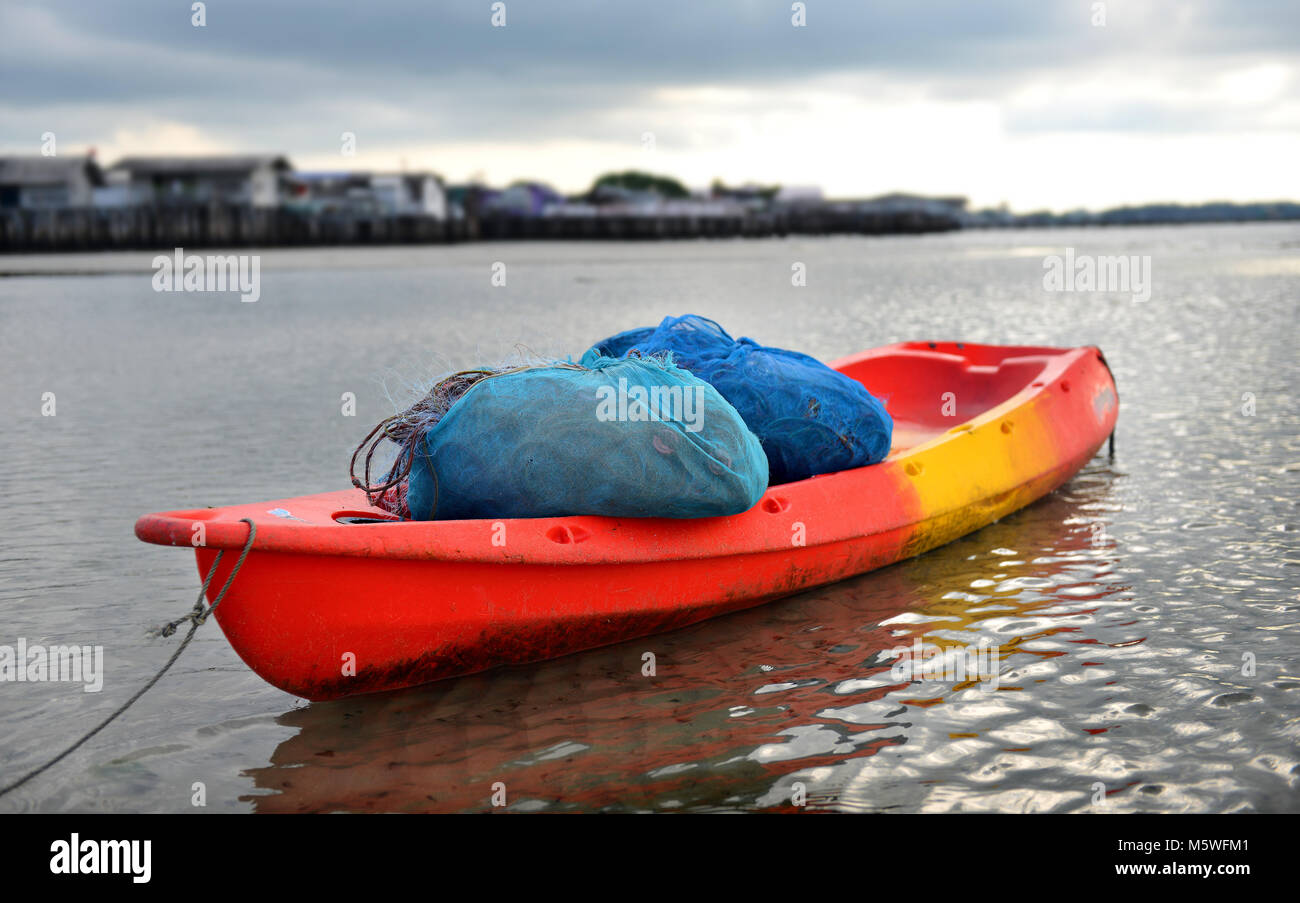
column 742, row 708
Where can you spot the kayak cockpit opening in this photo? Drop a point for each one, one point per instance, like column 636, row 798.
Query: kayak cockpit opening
column 357, row 517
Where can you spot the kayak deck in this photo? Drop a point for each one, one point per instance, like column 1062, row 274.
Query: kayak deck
column 980, row 431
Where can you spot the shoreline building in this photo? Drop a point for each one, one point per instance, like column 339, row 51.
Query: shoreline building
column 900, row 202
column 410, row 194
column 49, row 183
column 419, row 194
column 238, row 180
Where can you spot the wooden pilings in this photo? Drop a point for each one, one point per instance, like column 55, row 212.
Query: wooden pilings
column 161, row 227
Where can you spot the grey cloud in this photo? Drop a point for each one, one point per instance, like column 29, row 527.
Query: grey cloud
column 564, row 67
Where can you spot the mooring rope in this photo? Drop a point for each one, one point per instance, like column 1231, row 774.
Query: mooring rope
column 195, row 617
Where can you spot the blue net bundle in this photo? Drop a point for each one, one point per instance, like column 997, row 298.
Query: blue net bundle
column 809, row 418
column 621, row 438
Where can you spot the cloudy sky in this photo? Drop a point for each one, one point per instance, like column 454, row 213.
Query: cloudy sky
column 1029, row 103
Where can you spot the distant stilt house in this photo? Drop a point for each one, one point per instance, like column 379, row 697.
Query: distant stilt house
column 410, row 194
column 470, row 200
column 914, row 203
column 528, row 199
column 366, row 194
column 244, row 180
column 899, row 212
column 798, row 197
column 324, row 193
column 750, row 196
column 48, row 183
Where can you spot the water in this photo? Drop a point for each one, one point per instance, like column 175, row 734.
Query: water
column 1130, row 604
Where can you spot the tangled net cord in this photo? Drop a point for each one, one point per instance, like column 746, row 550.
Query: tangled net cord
column 407, row 429
column 195, row 617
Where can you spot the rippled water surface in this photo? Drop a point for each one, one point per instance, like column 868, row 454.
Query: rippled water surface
column 1147, row 615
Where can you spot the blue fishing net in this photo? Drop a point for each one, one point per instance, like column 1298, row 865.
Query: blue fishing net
column 810, row 419
column 623, row 438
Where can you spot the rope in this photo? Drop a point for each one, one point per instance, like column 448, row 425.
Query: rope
column 195, row 617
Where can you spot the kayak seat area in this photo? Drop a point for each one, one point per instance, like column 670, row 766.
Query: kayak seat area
column 931, row 387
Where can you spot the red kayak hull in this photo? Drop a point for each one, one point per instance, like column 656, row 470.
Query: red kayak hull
column 326, row 607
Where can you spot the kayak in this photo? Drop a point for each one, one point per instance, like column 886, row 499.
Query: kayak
column 337, row 597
